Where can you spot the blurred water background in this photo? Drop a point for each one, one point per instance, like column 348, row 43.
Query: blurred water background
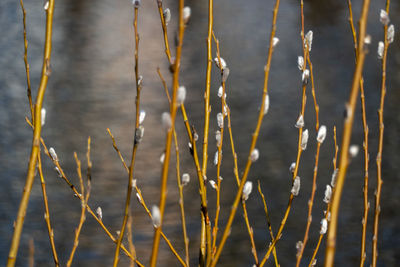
column 91, row 88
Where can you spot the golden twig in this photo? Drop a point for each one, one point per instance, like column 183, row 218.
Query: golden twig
column 47, row 213
column 314, row 184
column 271, row 233
column 348, row 124
column 12, row 256
column 366, row 156
column 143, row 203
column 253, row 142
column 89, row 209
column 84, row 201
column 178, row 177
column 136, row 143
column 28, row 80
column 328, row 205
column 173, row 111
column 379, row 180
column 130, row 241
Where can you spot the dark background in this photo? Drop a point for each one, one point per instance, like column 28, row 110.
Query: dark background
column 92, row 87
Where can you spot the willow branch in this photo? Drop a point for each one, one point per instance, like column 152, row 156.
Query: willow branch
column 347, row 130
column 12, row 256
column 253, row 142
column 365, row 146
column 47, row 213
column 136, row 143
column 379, row 180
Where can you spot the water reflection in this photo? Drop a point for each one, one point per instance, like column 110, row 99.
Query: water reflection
column 91, row 88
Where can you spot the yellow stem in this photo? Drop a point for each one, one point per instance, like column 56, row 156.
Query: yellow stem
column 12, row 256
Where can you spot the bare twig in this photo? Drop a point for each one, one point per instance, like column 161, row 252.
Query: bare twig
column 271, row 234
column 136, row 143
column 47, row 213
column 12, row 256
column 253, row 142
column 348, row 125
column 328, row 205
column 366, row 156
column 84, row 201
column 379, row 180
column 173, row 111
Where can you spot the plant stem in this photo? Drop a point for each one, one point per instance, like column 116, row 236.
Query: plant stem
column 253, row 142
column 379, row 180
column 348, row 125
column 12, row 256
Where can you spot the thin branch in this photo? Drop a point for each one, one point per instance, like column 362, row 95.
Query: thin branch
column 347, row 130
column 136, row 143
column 12, row 256
column 328, row 205
column 253, row 142
column 271, row 234
column 84, row 201
column 143, row 203
column 47, row 213
column 366, row 154
column 379, row 180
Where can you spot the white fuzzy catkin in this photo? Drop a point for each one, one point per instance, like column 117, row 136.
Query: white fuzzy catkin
column 166, row 120
column 275, row 41
column 213, row 184
column 305, row 76
column 300, row 62
column 304, row 139
column 367, row 39
column 139, row 199
column 185, row 179
column 217, row 61
column 324, row 226
column 99, row 213
column 46, row 5
column 134, row 183
column 162, row 157
column 248, row 187
column 299, row 247
column 292, row 167
column 328, row 194
column 381, row 47
column 220, row 91
column 300, row 122
column 216, row 158
column 156, row 216
column 321, row 134
column 43, row 116
column 254, row 155
column 142, row 115
column 333, row 179
column 220, row 120
column 266, row 104
column 296, row 186
column 58, row 171
column 225, row 74
column 53, row 154
column 390, row 34
column 384, row 17
column 353, row 150
column 309, row 40
column 139, row 132
column 181, row 95
column 186, row 12
column 167, row 16
column 218, row 137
